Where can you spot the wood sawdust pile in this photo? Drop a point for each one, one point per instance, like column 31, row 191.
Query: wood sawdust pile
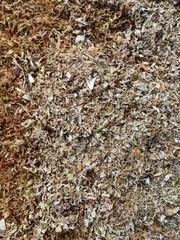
column 89, row 128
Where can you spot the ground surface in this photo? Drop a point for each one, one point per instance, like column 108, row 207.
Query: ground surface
column 89, row 120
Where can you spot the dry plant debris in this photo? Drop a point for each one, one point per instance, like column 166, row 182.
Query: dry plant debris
column 89, row 96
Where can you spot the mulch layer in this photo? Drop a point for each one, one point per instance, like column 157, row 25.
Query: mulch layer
column 89, row 120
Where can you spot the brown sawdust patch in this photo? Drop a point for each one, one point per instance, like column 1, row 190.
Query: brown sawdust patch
column 89, row 130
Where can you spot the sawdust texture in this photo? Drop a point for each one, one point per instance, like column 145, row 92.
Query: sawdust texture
column 89, row 120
